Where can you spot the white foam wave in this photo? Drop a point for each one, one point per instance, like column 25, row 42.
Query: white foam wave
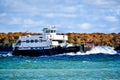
column 96, row 50
column 5, row 54
column 102, row 49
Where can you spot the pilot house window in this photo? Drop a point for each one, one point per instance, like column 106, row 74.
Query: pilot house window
column 47, row 31
column 52, row 31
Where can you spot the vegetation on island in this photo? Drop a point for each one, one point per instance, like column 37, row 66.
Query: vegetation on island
column 111, row 39
column 101, row 39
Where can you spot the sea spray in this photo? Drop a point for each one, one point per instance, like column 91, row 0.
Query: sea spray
column 96, row 50
column 102, row 49
column 5, row 54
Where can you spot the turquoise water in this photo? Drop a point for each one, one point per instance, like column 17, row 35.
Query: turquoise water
column 61, row 67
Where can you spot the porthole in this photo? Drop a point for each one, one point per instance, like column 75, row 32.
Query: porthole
column 27, row 41
column 32, row 41
column 36, row 41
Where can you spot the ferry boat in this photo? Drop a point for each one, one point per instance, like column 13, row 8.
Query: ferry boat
column 49, row 43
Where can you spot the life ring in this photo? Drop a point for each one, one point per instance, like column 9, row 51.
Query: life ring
column 50, row 36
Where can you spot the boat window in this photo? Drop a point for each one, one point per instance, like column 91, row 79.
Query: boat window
column 27, row 41
column 52, row 31
column 32, row 41
column 36, row 40
column 47, row 31
column 40, row 37
column 60, row 41
column 19, row 41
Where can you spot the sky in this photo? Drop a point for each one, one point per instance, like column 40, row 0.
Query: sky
column 81, row 16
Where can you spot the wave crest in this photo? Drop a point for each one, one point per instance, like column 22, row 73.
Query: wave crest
column 96, row 50
column 5, row 54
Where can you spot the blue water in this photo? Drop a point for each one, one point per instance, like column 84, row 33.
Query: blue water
column 61, row 67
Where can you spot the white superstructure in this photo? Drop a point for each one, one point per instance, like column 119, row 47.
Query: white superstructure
column 48, row 39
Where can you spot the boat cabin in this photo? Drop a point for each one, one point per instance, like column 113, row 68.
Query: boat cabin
column 48, row 39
